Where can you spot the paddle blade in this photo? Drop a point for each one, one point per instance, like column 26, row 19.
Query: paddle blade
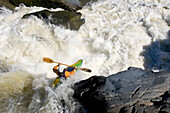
column 85, row 69
column 48, row 60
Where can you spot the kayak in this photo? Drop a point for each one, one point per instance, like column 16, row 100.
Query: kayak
column 77, row 64
column 57, row 81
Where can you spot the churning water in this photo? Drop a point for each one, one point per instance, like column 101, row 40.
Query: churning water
column 116, row 34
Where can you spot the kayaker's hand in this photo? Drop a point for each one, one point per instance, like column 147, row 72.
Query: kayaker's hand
column 59, row 64
column 76, row 67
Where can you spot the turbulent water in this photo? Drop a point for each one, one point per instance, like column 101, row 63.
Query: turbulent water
column 117, row 34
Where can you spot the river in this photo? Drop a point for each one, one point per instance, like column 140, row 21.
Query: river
column 117, row 34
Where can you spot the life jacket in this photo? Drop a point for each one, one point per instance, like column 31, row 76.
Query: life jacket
column 66, row 73
column 69, row 71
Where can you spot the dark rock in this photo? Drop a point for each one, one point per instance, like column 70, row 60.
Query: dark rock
column 48, row 4
column 87, row 92
column 7, row 4
column 70, row 20
column 84, row 2
column 131, row 91
column 70, row 5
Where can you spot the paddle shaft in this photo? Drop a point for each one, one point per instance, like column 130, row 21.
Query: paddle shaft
column 65, row 64
column 49, row 60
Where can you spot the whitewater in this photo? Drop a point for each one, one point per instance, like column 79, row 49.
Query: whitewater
column 117, row 34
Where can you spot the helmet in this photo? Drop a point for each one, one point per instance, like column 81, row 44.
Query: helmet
column 60, row 69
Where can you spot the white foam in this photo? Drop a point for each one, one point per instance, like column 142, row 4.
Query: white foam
column 112, row 39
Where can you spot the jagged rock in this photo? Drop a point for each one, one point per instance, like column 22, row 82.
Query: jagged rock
column 134, row 90
column 70, row 20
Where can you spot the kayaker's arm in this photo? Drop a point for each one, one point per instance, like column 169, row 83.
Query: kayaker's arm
column 55, row 69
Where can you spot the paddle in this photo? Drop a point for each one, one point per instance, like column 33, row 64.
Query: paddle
column 49, row 60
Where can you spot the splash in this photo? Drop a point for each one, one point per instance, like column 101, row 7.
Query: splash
column 113, row 38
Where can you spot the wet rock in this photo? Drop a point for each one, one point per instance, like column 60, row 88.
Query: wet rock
column 4, row 67
column 70, row 20
column 7, row 4
column 84, row 2
column 87, row 93
column 46, row 3
column 70, row 5
column 134, row 90
column 65, row 4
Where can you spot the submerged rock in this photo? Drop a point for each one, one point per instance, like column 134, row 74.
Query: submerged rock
column 134, row 90
column 70, row 20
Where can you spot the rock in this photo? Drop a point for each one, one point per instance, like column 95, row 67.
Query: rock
column 87, row 93
column 70, row 5
column 84, row 2
column 4, row 67
column 134, row 90
column 70, row 20
column 7, row 4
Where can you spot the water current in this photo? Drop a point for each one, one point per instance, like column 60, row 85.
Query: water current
column 117, row 34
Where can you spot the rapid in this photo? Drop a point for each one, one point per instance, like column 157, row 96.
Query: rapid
column 117, row 34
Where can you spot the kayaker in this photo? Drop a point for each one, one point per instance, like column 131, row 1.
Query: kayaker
column 62, row 73
column 65, row 72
